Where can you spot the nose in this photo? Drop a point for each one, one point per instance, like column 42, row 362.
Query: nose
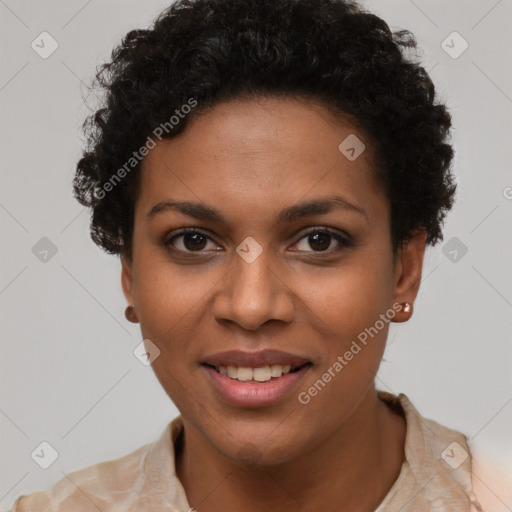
column 252, row 294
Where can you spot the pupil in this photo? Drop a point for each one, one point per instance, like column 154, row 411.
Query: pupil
column 197, row 243
column 320, row 239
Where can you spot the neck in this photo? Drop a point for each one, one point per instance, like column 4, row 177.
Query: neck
column 356, row 466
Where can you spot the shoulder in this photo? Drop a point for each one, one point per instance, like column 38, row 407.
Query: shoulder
column 458, row 462
column 90, row 488
column 492, row 483
column 438, row 464
column 144, row 479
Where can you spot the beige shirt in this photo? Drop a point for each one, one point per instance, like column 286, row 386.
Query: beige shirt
column 435, row 476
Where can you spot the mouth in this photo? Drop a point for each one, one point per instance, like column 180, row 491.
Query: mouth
column 257, row 375
column 255, row 379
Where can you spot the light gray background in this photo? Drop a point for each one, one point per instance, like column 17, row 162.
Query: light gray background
column 68, row 374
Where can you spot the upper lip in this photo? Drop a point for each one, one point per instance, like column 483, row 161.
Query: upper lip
column 254, row 359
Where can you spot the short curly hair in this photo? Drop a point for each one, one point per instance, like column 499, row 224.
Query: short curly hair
column 332, row 51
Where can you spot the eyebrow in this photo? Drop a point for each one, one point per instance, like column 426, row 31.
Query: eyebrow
column 202, row 211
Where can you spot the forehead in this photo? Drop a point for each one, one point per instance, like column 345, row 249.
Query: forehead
column 270, row 150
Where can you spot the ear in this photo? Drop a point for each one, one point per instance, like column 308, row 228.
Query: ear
column 127, row 279
column 407, row 275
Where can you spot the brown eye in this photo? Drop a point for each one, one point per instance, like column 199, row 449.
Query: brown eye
column 194, row 242
column 321, row 241
column 190, row 240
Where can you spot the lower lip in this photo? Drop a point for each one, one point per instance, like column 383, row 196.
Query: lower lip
column 261, row 394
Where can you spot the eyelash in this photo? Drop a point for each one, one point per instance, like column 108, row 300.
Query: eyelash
column 343, row 240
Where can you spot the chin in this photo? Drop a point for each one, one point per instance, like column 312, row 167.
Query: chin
column 266, row 445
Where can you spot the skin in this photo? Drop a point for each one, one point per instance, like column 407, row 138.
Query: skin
column 250, row 159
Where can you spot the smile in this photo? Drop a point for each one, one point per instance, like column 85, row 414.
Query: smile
column 255, row 379
column 256, row 375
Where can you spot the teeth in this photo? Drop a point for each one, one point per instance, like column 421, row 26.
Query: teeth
column 276, row 370
column 244, row 374
column 261, row 374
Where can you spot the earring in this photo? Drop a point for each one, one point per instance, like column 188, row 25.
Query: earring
column 406, row 307
column 128, row 313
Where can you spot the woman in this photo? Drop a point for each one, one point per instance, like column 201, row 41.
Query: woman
column 270, row 173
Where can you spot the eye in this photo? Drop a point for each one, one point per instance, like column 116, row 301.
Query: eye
column 320, row 240
column 189, row 240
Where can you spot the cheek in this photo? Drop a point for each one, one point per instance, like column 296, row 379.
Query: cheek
column 352, row 356
column 347, row 308
column 169, row 301
column 352, row 297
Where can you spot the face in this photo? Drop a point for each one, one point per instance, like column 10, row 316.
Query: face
column 286, row 261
